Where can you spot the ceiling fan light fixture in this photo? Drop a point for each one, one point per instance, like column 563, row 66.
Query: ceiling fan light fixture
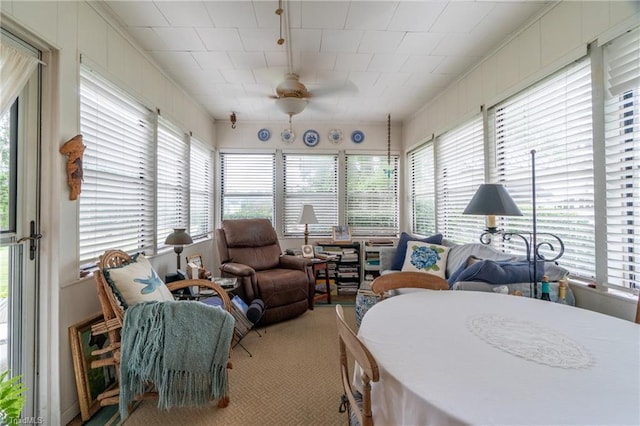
column 291, row 106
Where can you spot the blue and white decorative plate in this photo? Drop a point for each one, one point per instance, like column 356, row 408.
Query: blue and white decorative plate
column 264, row 134
column 311, row 138
column 335, row 136
column 287, row 136
column 357, row 136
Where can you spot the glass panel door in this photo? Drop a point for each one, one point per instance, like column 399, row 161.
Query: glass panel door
column 19, row 177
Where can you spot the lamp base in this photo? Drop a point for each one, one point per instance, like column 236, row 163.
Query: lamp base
column 178, row 250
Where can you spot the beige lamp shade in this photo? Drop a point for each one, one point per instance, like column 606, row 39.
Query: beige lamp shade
column 307, row 215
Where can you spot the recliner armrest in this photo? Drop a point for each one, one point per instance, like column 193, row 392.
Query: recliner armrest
column 294, row 262
column 237, row 269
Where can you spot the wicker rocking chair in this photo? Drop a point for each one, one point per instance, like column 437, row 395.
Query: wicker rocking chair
column 113, row 313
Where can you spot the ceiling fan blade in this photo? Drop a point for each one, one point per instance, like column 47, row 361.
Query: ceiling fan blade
column 319, row 107
column 338, row 88
column 271, row 76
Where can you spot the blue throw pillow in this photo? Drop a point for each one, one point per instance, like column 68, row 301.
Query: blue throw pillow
column 398, row 258
column 493, row 272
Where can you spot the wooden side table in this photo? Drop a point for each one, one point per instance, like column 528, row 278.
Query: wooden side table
column 319, row 265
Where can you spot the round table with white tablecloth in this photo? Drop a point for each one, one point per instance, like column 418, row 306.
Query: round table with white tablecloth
column 458, row 357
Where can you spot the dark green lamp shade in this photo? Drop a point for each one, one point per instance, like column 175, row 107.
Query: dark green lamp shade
column 492, row 199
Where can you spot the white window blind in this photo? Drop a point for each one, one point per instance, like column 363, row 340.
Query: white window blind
column 201, row 190
column 459, row 172
column 423, row 192
column 372, row 195
column 172, row 196
column 310, row 179
column 554, row 118
column 116, row 205
column 622, row 142
column 248, row 182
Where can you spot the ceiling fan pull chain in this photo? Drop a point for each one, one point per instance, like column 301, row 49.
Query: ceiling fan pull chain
column 388, row 139
column 279, row 11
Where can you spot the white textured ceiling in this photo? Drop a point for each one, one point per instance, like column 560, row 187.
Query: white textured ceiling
column 360, row 59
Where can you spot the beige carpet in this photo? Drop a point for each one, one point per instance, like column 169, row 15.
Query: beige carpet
column 293, row 378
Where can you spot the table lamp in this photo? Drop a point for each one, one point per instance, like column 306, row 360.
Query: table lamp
column 178, row 239
column 307, row 216
column 492, row 200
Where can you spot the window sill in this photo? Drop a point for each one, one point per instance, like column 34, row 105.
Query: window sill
column 591, row 286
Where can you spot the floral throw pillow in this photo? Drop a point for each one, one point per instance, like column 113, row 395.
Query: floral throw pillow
column 425, row 257
column 137, row 282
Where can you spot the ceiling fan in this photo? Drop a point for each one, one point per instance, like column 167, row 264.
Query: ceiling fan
column 291, row 95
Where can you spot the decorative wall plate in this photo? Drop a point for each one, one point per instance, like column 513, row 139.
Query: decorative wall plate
column 264, row 135
column 311, row 138
column 287, row 136
column 335, row 136
column 357, row 136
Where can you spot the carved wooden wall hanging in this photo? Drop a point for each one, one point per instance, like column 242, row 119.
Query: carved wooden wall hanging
column 74, row 149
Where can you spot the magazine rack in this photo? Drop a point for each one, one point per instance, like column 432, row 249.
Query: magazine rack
column 243, row 325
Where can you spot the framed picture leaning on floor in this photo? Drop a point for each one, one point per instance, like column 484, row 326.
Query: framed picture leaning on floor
column 90, row 382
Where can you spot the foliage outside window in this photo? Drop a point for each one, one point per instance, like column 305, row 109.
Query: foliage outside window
column 553, row 118
column 248, row 186
column 422, row 190
column 129, row 200
column 172, row 196
column 459, row 172
column 310, row 179
column 8, row 182
column 622, row 144
column 372, row 195
column 201, row 190
column 117, row 202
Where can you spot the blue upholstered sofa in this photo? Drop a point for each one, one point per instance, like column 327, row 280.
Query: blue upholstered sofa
column 458, row 257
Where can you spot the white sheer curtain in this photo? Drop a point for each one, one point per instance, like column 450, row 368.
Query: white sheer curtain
column 16, row 68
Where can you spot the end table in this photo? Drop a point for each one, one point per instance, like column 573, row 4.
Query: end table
column 319, row 265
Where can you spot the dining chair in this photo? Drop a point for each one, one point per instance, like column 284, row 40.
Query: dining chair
column 382, row 284
column 113, row 291
column 357, row 404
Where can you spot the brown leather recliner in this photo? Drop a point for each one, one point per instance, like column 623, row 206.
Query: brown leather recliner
column 249, row 250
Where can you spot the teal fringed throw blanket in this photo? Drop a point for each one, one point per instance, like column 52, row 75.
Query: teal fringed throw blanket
column 181, row 347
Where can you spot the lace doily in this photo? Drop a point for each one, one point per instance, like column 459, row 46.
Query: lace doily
column 529, row 341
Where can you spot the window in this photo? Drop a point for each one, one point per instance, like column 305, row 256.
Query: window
column 372, row 195
column 310, row 179
column 459, row 172
column 173, row 180
column 622, row 144
column 117, row 202
column 422, row 190
column 553, row 118
column 248, row 185
column 201, row 190
column 8, row 169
